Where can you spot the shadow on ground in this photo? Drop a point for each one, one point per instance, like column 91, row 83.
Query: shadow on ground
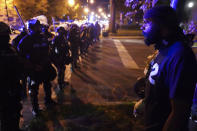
column 78, row 116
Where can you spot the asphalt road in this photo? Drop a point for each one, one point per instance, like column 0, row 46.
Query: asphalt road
column 106, row 74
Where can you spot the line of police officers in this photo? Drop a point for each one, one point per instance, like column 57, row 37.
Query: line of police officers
column 28, row 62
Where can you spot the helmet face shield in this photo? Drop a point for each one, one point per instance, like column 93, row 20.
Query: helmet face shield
column 34, row 26
column 60, row 30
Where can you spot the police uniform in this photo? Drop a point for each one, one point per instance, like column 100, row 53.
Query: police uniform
column 35, row 49
column 11, row 70
column 15, row 43
column 16, row 40
column 60, row 56
column 74, row 38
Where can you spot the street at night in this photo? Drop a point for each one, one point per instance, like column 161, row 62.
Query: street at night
column 105, row 76
column 98, row 65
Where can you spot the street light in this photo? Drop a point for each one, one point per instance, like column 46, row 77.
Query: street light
column 100, row 9
column 86, row 10
column 190, row 4
column 92, row 1
column 71, row 2
column 6, row 7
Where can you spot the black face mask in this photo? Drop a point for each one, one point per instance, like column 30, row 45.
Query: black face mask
column 151, row 33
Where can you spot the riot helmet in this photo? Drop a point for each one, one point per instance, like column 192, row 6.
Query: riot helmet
column 60, row 30
column 4, row 32
column 34, row 26
column 4, row 29
column 45, row 28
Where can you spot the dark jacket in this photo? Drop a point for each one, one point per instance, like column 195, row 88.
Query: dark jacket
column 11, row 70
column 35, row 49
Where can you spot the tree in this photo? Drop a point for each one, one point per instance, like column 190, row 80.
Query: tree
column 139, row 7
column 178, row 5
column 60, row 8
column 31, row 8
column 49, row 8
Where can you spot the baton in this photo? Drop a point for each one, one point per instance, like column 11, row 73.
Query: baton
column 21, row 19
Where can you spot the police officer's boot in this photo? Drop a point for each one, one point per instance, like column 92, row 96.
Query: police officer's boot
column 33, row 91
column 61, row 79
column 48, row 100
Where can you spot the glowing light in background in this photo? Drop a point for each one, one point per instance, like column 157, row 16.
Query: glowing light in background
column 91, row 18
column 71, row 2
column 92, row 1
column 190, row 4
column 100, row 9
column 86, row 10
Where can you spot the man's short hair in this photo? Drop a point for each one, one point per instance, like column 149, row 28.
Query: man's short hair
column 164, row 15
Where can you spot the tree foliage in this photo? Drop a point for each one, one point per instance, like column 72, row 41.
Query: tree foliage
column 31, row 8
column 60, row 8
column 49, row 8
column 120, row 6
column 139, row 7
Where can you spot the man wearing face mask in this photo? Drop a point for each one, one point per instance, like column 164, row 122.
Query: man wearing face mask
column 172, row 75
column 35, row 49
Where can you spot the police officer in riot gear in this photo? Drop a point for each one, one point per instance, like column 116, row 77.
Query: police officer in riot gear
column 17, row 39
column 15, row 43
column 10, row 73
column 84, row 40
column 97, row 30
column 35, row 49
column 74, row 38
column 45, row 31
column 60, row 54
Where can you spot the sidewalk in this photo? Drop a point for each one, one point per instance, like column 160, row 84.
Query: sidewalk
column 127, row 32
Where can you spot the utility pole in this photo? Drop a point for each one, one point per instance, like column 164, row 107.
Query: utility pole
column 6, row 7
column 113, row 16
column 88, row 9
